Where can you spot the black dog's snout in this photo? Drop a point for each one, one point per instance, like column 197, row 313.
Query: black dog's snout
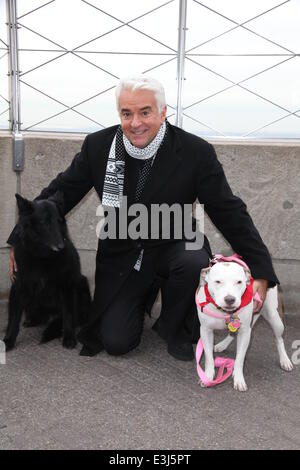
column 58, row 247
column 229, row 299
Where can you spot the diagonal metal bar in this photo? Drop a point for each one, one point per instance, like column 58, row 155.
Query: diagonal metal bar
column 60, row 102
column 239, row 85
column 58, row 114
column 44, row 37
column 128, row 23
column 245, row 79
column 240, row 25
column 270, row 123
column 35, row 9
column 71, row 108
column 5, row 111
column 5, row 99
column 4, row 55
column 6, row 45
column 42, row 65
column 94, row 65
column 203, row 124
column 159, row 65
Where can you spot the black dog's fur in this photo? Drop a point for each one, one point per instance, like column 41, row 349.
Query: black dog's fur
column 49, row 287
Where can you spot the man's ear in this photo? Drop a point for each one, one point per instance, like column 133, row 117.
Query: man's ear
column 25, row 207
column 203, row 276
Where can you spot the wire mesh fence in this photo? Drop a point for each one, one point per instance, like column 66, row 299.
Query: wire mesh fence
column 237, row 63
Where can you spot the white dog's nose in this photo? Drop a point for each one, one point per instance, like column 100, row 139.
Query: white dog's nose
column 229, row 299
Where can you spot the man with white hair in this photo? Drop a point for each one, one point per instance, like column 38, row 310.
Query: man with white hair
column 151, row 162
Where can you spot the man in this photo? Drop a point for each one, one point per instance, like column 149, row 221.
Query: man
column 152, row 162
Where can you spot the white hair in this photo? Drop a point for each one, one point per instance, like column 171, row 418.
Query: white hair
column 142, row 82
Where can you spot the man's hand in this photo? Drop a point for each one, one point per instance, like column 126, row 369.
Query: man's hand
column 260, row 286
column 12, row 265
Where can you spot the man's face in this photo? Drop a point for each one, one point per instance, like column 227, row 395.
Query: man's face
column 140, row 118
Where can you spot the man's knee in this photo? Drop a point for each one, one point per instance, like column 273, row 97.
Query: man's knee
column 117, row 345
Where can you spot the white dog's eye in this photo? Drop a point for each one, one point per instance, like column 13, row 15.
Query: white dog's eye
column 218, row 282
column 240, row 282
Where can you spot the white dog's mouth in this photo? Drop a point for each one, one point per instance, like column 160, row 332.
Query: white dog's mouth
column 229, row 309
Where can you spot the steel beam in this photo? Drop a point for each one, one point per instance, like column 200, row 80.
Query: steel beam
column 180, row 60
column 14, row 72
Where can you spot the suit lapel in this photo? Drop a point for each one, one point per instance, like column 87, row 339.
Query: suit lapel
column 165, row 164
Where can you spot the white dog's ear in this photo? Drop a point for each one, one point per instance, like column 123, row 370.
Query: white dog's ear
column 203, row 276
column 248, row 276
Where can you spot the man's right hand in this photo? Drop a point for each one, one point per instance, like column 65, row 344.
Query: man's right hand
column 12, row 265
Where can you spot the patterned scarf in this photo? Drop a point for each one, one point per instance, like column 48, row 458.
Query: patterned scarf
column 114, row 176
column 115, row 168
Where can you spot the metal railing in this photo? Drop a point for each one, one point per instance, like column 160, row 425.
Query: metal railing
column 167, row 55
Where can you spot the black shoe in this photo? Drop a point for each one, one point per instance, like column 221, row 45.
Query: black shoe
column 182, row 351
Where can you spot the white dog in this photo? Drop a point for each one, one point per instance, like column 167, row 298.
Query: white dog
column 224, row 300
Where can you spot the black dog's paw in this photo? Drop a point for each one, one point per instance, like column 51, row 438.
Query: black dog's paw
column 52, row 330
column 69, row 342
column 9, row 344
column 85, row 351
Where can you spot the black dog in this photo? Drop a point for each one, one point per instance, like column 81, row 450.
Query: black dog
column 49, row 287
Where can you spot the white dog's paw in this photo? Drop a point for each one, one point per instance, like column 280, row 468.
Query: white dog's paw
column 210, row 373
column 239, row 382
column 286, row 364
column 221, row 346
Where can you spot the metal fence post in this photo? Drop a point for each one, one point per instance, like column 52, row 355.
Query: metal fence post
column 14, row 72
column 180, row 59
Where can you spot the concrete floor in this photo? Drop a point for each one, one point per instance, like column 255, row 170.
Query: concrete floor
column 52, row 398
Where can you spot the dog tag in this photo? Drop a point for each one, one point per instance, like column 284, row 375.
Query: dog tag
column 234, row 325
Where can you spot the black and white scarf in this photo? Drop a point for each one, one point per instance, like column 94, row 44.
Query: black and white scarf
column 114, row 176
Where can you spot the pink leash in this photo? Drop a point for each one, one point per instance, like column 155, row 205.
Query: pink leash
column 221, row 362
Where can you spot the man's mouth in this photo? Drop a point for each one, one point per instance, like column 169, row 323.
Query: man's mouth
column 138, row 132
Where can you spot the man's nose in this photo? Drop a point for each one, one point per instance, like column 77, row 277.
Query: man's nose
column 135, row 121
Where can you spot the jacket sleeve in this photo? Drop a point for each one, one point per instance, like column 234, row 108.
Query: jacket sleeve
column 229, row 214
column 74, row 182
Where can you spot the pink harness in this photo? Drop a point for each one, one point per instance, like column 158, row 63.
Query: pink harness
column 221, row 362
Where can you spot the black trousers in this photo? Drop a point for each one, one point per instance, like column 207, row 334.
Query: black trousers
column 178, row 272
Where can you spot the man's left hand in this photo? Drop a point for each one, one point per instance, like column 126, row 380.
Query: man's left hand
column 260, row 286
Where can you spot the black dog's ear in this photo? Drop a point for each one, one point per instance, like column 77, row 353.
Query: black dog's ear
column 58, row 199
column 25, row 207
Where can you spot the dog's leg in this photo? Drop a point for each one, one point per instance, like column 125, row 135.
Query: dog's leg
column 207, row 336
column 15, row 309
column 271, row 314
column 52, row 331
column 69, row 313
column 223, row 345
column 243, row 340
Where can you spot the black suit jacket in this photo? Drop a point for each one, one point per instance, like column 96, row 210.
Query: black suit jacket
column 185, row 168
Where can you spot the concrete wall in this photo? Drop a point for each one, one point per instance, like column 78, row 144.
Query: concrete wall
column 264, row 175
